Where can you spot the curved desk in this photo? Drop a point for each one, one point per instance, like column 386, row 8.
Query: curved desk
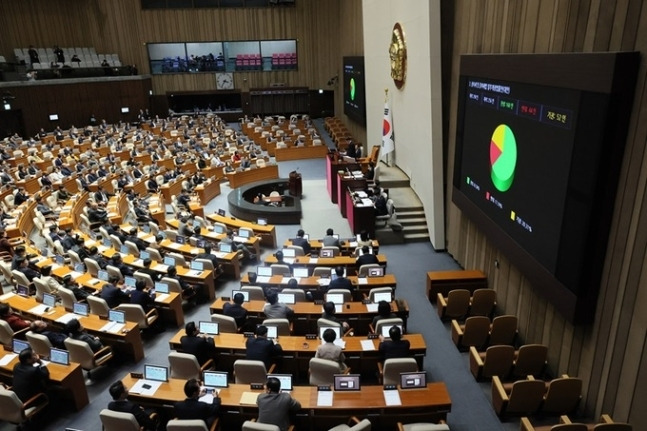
column 241, row 203
column 237, row 179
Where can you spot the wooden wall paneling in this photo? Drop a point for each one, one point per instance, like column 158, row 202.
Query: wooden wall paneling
column 631, row 25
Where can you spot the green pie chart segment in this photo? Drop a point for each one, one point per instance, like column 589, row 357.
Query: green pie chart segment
column 503, row 157
column 352, row 89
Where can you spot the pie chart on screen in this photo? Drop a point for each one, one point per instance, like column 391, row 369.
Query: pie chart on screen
column 503, row 157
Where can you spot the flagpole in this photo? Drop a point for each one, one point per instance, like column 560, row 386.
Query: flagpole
column 386, row 99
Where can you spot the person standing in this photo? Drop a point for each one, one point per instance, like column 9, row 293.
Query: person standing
column 274, row 406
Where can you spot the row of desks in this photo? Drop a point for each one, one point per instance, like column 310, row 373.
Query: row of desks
column 348, row 262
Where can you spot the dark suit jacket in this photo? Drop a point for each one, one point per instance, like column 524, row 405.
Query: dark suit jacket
column 236, row 311
column 126, row 406
column 113, row 295
column 194, row 409
column 366, row 259
column 29, row 380
column 394, row 349
column 262, row 349
column 303, row 243
column 339, row 283
column 202, row 348
column 142, row 298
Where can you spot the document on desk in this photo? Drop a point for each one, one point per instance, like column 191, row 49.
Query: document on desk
column 40, row 309
column 324, row 398
column 367, row 345
column 66, row 318
column 195, row 250
column 160, row 267
column 362, row 281
column 367, row 202
column 6, row 359
column 145, row 387
column 313, row 260
column 323, row 281
column 371, row 308
column 206, row 398
column 263, row 279
column 113, row 327
column 249, row 398
column 339, row 342
column 289, row 260
column 361, row 194
column 175, row 245
column 161, row 297
column 392, row 398
column 220, row 254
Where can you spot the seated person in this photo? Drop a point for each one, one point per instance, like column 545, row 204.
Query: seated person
column 120, row 403
column 364, row 240
column 274, row 406
column 275, row 309
column 329, row 314
column 142, row 296
column 50, row 282
column 96, row 214
column 187, row 289
column 329, row 240
column 279, row 260
column 210, row 257
column 260, row 348
column 30, row 375
column 302, row 242
column 396, row 347
column 196, row 344
column 236, row 310
column 57, row 339
column 15, row 321
column 383, row 312
column 229, row 239
column 119, row 263
column 193, row 408
column 23, row 266
column 366, row 258
column 154, row 275
column 75, row 331
column 329, row 350
column 340, row 282
column 113, row 292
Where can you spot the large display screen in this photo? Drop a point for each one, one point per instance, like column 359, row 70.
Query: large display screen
column 539, row 142
column 354, row 89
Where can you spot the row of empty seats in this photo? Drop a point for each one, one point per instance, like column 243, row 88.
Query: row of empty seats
column 87, row 56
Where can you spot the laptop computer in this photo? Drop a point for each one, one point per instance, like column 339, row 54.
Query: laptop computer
column 336, row 298
column 161, row 287
column 146, row 228
column 287, row 298
column 337, row 330
column 215, row 379
column 207, row 327
column 144, row 255
column 19, row 345
column 124, row 249
column 289, row 252
column 60, row 260
column 218, row 228
column 79, row 267
column 284, row 379
column 59, row 356
column 346, row 382
column 263, row 271
column 244, row 292
column 376, row 272
column 169, row 261
column 103, row 275
column 326, row 253
column 382, row 296
column 22, row 290
column 130, row 281
column 201, row 243
column 225, row 247
column 300, row 272
column 261, row 222
column 197, row 266
column 272, row 332
column 80, row 308
column 156, row 373
column 49, row 300
column 180, row 239
column 117, row 316
column 416, row 380
column 244, row 233
column 221, row 212
column 386, row 328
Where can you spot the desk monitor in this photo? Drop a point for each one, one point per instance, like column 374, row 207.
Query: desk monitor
column 337, row 330
column 207, row 327
column 300, row 272
column 287, row 298
column 196, row 223
column 346, row 382
column 144, row 255
column 103, row 275
column 22, row 290
column 156, row 373
column 261, row 222
column 49, row 299
column 124, row 249
column 244, row 292
column 413, row 380
column 79, row 267
column 337, row 298
column 244, row 233
column 169, row 261
column 264, row 271
column 284, row 379
column 289, row 252
column 215, row 379
column 161, row 287
column 60, row 260
column 180, row 239
column 81, row 308
column 386, row 328
column 106, row 242
column 146, row 228
column 326, row 253
column 376, row 272
column 59, row 356
column 197, row 266
column 221, row 212
column 272, row 332
column 201, row 243
column 130, row 281
column 382, row 296
column 117, row 316
column 225, row 247
column 218, row 228
column 19, row 345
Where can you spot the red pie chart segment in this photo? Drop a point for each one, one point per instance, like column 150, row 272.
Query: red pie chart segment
column 503, row 157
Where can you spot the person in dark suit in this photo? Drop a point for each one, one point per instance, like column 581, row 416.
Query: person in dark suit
column 152, row 185
column 210, row 257
column 119, row 263
column 30, row 375
column 112, row 293
column 340, row 282
column 193, row 408
column 155, row 276
column 396, row 347
column 120, row 403
column 302, row 242
column 259, row 348
column 29, row 272
column 383, row 312
column 366, row 257
column 329, row 314
column 75, row 331
column 20, row 196
column 142, row 296
column 236, row 310
column 200, row 346
column 101, row 195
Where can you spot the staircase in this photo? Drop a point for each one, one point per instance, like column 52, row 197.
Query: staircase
column 414, row 224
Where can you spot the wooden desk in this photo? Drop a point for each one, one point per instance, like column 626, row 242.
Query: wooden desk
column 299, row 153
column 129, row 342
column 420, row 405
column 347, row 247
column 237, row 179
column 347, row 262
column 69, row 377
column 306, row 314
column 207, row 191
column 267, row 233
column 253, row 242
column 360, row 217
column 172, row 188
column 333, row 166
column 444, row 281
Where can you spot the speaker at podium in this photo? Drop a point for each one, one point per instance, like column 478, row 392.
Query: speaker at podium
column 294, row 184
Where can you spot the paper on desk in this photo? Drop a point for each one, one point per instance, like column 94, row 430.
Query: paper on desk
column 323, row 281
column 289, row 260
column 313, row 260
column 361, row 194
column 324, row 398
column 138, row 388
column 113, row 327
column 66, row 318
column 367, row 202
column 362, row 280
column 263, row 279
column 353, row 244
column 367, row 345
column 6, row 359
column 339, row 342
column 207, row 398
column 174, row 245
column 392, row 398
column 40, row 309
column 161, row 297
column 161, row 267
column 6, row 296
column 195, row 250
column 249, row 398
column 220, row 254
column 371, row 308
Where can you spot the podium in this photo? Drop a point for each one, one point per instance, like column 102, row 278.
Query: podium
column 294, row 184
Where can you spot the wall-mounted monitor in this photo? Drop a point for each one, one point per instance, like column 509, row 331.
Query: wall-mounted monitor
column 354, row 89
column 125, row 109
column 53, row 117
column 539, row 142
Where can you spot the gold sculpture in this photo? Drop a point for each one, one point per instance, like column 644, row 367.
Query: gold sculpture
column 398, row 55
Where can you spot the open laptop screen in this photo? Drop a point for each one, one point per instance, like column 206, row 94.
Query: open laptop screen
column 337, row 330
column 215, row 379
column 285, row 379
column 382, row 296
column 289, row 252
column 161, row 287
column 197, row 266
column 49, row 299
column 225, row 248
column 81, row 308
column 59, row 356
column 346, row 382
column 103, row 275
column 207, row 327
column 287, row 298
column 264, row 271
column 169, row 261
column 337, row 298
column 244, row 292
column 156, row 373
column 376, row 272
column 130, row 281
column 18, row 345
column 301, row 272
column 117, row 316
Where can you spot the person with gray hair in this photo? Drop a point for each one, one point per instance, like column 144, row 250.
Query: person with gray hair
column 274, row 406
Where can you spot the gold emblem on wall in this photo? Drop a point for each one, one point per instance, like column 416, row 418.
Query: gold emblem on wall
column 398, row 55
